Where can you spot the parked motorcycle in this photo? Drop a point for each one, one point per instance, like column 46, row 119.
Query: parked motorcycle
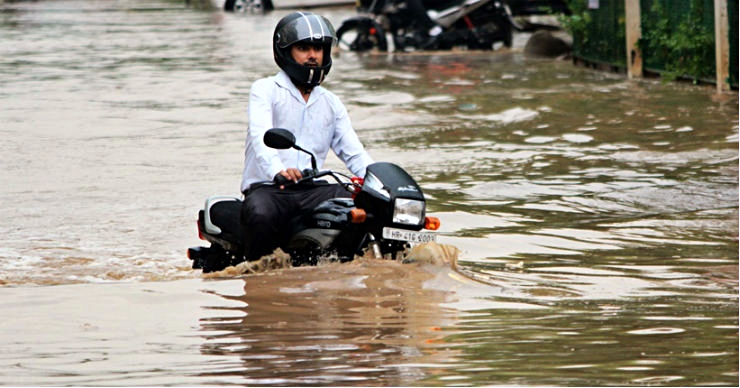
column 475, row 24
column 385, row 215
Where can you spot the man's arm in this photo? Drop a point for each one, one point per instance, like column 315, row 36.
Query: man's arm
column 260, row 114
column 347, row 145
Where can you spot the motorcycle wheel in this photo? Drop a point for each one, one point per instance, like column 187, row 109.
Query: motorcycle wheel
column 492, row 33
column 244, row 5
column 361, row 34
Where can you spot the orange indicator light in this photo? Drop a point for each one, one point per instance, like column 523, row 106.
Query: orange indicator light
column 431, row 223
column 357, row 216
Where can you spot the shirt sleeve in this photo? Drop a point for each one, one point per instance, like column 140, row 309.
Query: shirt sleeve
column 346, row 144
column 260, row 120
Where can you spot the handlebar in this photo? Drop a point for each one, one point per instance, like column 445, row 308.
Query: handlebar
column 280, row 138
column 310, row 174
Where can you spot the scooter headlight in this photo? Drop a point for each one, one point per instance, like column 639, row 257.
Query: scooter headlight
column 408, row 211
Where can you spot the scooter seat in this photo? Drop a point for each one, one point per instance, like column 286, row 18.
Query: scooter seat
column 222, row 218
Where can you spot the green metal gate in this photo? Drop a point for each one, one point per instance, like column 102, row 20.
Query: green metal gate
column 678, row 36
column 601, row 40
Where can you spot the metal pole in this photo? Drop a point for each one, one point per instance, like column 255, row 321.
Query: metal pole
column 722, row 45
column 633, row 33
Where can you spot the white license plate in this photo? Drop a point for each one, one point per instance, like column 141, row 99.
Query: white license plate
column 408, row 235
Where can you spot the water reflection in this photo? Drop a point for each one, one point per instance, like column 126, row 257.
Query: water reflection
column 384, row 323
column 367, row 322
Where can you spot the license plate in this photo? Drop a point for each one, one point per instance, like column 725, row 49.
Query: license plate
column 408, row 235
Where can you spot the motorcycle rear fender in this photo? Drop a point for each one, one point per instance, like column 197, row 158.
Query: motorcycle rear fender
column 448, row 17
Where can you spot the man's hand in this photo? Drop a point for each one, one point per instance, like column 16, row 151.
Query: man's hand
column 288, row 175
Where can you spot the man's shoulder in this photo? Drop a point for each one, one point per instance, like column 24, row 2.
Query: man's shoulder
column 328, row 94
column 268, row 81
column 267, row 86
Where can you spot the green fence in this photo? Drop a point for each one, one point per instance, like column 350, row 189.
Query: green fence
column 677, row 36
column 602, row 39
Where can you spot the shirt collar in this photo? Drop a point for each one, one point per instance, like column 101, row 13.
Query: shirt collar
column 283, row 80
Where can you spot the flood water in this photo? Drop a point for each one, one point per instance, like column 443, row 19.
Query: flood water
column 594, row 218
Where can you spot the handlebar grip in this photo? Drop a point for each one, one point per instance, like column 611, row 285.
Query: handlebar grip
column 281, row 180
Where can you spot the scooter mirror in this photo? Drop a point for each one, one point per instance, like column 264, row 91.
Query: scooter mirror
column 283, row 139
column 279, row 138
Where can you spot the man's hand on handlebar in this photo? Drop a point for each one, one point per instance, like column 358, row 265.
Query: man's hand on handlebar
column 288, row 175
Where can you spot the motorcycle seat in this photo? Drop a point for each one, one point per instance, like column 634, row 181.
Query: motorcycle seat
column 439, row 5
column 222, row 217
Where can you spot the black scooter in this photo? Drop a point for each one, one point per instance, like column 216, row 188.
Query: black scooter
column 385, row 215
column 474, row 24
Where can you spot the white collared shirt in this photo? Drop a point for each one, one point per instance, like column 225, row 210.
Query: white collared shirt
column 320, row 124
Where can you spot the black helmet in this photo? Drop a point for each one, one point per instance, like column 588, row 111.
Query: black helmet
column 304, row 27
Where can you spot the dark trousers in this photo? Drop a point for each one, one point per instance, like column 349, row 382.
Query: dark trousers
column 268, row 213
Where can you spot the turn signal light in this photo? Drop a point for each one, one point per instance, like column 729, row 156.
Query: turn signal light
column 200, row 232
column 357, row 216
column 357, row 186
column 431, row 223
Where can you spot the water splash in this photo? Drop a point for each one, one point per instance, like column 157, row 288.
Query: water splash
column 429, row 253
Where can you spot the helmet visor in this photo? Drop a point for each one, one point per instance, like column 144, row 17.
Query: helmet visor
column 310, row 28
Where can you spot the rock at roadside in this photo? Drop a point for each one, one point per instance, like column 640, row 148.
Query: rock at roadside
column 544, row 44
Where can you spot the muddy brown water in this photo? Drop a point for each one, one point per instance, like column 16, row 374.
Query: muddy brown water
column 589, row 222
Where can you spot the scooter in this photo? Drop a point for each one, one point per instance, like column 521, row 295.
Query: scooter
column 475, row 24
column 385, row 215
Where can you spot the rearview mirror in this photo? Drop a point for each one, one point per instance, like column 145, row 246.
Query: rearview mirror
column 283, row 139
column 279, row 138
